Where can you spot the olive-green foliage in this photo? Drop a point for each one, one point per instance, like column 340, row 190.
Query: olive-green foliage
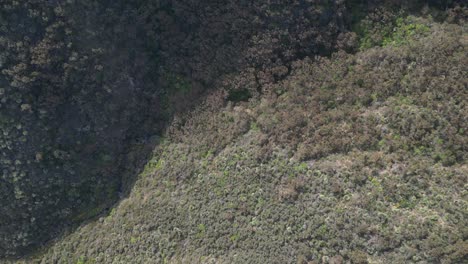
column 67, row 105
column 83, row 81
column 374, row 28
column 404, row 31
column 345, row 165
column 177, row 83
column 382, row 28
column 86, row 85
column 239, row 95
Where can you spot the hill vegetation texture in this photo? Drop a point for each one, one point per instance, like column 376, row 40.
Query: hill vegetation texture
column 233, row 132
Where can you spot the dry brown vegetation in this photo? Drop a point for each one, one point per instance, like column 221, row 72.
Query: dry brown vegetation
column 356, row 158
column 283, row 131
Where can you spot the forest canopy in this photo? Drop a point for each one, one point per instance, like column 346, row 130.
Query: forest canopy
column 92, row 91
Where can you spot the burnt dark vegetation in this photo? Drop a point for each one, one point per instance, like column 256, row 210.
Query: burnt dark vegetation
column 95, row 93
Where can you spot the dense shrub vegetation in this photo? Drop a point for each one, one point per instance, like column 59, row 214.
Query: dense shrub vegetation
column 86, row 85
column 283, row 131
column 68, row 104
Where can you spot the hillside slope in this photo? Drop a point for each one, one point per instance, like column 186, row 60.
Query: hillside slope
column 357, row 158
column 86, row 86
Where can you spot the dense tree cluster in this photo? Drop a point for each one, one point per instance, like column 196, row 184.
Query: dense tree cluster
column 356, row 158
column 71, row 93
column 86, row 87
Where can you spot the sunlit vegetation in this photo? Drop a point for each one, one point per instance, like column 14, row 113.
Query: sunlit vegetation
column 233, row 132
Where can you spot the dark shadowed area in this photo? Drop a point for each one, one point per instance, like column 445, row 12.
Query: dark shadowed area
column 197, row 130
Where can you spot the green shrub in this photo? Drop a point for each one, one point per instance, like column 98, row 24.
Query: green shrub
column 405, row 30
